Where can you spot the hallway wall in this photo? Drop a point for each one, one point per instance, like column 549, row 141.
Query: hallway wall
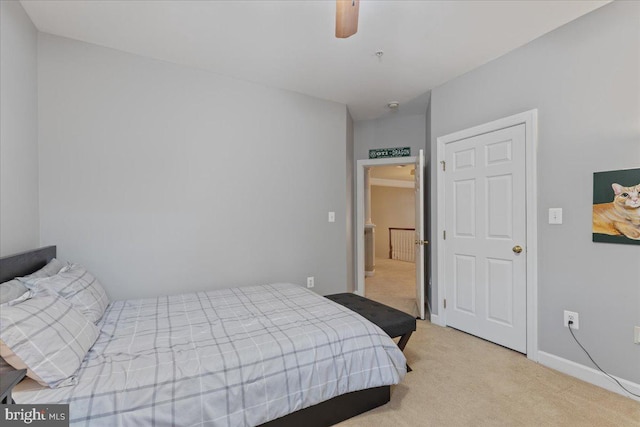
column 390, row 207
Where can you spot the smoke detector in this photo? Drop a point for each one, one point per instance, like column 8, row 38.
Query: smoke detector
column 393, row 105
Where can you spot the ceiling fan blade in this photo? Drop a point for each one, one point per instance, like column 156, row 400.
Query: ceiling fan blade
column 346, row 18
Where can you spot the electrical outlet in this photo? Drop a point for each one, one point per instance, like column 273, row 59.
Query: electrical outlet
column 310, row 282
column 332, row 217
column 636, row 335
column 574, row 317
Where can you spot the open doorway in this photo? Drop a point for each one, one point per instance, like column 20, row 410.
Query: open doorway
column 392, row 278
column 381, row 268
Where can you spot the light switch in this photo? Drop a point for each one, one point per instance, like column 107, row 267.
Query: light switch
column 555, row 215
column 332, row 217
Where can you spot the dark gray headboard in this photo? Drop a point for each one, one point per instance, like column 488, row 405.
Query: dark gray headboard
column 24, row 263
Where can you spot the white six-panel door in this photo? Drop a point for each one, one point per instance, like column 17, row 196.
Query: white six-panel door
column 485, row 226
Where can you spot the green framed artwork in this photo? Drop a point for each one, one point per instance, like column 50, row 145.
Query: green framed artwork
column 616, row 206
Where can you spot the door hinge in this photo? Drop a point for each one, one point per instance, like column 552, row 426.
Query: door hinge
column 444, row 165
column 444, row 234
column 445, row 303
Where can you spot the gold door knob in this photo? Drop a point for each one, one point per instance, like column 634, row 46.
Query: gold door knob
column 517, row 249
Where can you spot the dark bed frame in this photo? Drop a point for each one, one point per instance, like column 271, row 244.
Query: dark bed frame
column 25, row 263
column 323, row 414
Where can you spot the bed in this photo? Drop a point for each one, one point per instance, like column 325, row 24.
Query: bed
column 271, row 355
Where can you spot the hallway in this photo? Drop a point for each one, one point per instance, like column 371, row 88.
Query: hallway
column 393, row 284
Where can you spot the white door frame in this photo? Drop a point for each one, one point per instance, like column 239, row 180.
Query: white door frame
column 360, row 190
column 530, row 120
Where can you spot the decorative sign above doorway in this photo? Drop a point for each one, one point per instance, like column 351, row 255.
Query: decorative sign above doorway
column 381, row 153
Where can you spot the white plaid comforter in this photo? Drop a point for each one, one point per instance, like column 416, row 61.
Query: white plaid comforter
column 230, row 357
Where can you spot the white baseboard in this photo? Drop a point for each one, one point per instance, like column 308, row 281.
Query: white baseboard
column 588, row 374
column 435, row 320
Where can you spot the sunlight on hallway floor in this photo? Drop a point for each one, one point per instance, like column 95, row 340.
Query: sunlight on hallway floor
column 393, row 284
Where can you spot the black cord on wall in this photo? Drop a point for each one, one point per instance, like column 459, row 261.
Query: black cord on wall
column 594, row 362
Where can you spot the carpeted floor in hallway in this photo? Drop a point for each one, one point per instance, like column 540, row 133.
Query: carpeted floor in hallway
column 393, row 284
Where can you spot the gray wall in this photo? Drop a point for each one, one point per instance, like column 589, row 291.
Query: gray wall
column 351, row 214
column 584, row 79
column 163, row 179
column 393, row 130
column 19, row 221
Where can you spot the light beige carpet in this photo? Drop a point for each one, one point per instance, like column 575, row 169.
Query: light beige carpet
column 461, row 380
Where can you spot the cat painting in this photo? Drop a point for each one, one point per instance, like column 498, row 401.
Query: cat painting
column 620, row 217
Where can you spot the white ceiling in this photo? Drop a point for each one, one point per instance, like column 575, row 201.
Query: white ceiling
column 291, row 44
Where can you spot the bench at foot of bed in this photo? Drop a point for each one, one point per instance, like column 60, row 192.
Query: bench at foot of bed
column 394, row 322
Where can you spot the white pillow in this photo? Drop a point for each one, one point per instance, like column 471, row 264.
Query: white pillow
column 46, row 335
column 15, row 288
column 76, row 285
column 53, row 267
column 11, row 290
